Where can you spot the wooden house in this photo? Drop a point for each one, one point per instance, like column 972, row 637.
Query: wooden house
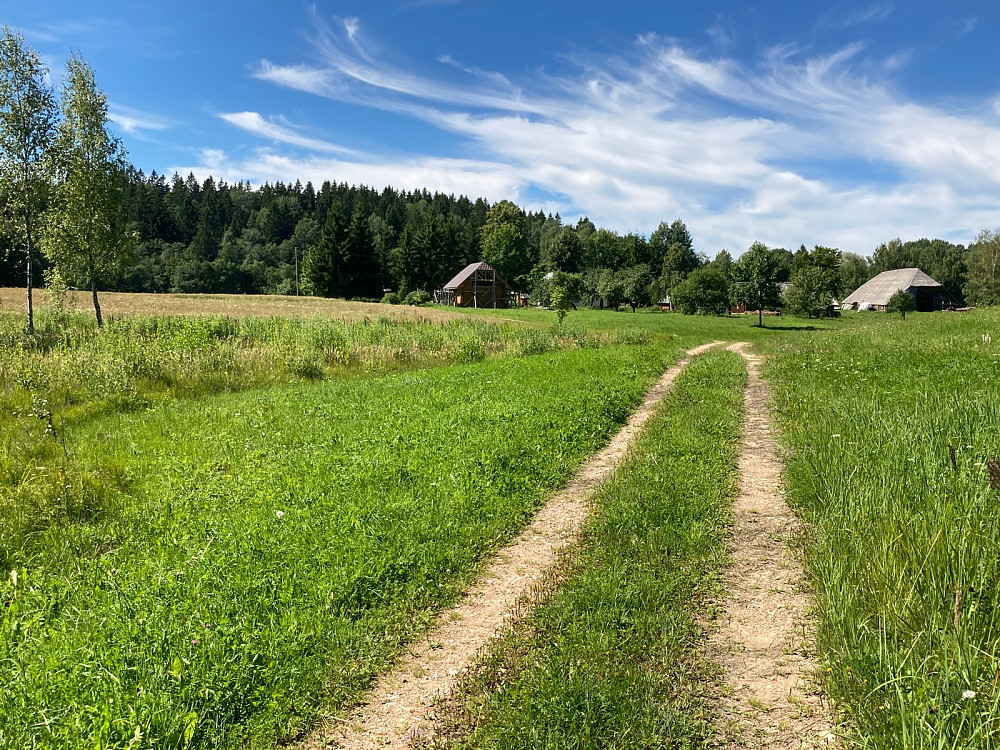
column 476, row 285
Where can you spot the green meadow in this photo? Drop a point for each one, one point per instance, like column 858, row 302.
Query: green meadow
column 213, row 530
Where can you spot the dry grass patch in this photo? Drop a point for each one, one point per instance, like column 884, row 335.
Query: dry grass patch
column 232, row 305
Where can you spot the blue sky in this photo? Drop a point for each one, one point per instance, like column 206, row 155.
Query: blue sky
column 845, row 124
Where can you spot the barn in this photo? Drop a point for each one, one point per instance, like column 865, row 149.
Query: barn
column 875, row 293
column 476, row 285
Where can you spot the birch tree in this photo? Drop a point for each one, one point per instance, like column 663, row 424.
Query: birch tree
column 84, row 231
column 28, row 115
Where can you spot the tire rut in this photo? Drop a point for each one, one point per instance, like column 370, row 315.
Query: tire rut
column 400, row 706
column 764, row 636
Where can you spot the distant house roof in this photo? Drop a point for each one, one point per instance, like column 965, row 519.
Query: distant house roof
column 466, row 272
column 877, row 291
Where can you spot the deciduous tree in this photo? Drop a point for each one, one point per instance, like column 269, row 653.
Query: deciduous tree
column 902, row 302
column 28, row 115
column 84, row 230
column 705, row 291
column 756, row 273
column 983, row 285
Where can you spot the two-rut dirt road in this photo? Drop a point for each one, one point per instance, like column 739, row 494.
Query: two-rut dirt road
column 760, row 641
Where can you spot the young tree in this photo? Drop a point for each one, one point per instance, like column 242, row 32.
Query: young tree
column 902, row 302
column 705, row 291
column 983, row 285
column 810, row 292
column 28, row 115
column 560, row 302
column 756, row 273
column 84, row 230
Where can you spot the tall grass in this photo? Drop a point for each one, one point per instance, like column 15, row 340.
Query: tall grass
column 71, row 373
column 611, row 660
column 263, row 554
column 891, row 427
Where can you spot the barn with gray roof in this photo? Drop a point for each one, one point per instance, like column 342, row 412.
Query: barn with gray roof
column 875, row 293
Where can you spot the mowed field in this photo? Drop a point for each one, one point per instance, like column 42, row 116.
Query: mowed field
column 219, row 523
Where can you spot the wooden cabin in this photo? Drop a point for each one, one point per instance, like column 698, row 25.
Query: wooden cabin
column 476, row 285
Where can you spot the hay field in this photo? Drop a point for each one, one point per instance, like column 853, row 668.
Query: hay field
column 232, row 305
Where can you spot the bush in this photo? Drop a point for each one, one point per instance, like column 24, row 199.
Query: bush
column 390, row 299
column 417, row 298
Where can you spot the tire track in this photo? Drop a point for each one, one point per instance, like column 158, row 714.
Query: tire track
column 400, row 706
column 765, row 642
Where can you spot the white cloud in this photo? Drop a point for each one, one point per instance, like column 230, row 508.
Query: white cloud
column 280, row 131
column 777, row 150
column 135, row 121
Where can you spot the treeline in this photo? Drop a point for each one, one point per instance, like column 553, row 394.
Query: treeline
column 970, row 274
column 67, row 190
column 356, row 242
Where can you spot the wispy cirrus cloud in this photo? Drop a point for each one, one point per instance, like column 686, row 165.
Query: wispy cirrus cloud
column 135, row 121
column 795, row 146
column 280, row 131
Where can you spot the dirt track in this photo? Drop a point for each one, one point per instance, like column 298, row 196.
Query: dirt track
column 399, row 708
column 763, row 640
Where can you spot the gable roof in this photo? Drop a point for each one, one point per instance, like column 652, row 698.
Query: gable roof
column 877, row 291
column 466, row 272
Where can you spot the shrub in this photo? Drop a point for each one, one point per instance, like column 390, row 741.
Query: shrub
column 417, row 297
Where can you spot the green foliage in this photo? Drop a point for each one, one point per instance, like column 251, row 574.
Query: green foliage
column 504, row 243
column 757, row 273
column 941, row 260
column 390, row 298
column 809, row 293
column 84, row 228
column 983, row 286
column 258, row 557
column 565, row 253
column 611, row 660
column 417, row 297
column 854, row 271
column 342, row 263
column 561, row 302
column 902, row 302
column 890, row 433
column 705, row 291
column 28, row 115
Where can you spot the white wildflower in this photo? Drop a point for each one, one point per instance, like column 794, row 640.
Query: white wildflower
column 280, row 514
column 968, row 695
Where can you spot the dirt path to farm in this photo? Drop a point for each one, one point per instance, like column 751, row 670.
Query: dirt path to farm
column 400, row 706
column 764, row 636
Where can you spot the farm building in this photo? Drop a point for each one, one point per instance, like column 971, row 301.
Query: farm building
column 476, row 285
column 875, row 293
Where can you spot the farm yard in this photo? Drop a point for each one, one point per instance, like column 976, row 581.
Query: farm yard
column 218, row 532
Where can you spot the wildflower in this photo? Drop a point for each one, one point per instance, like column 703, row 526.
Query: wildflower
column 280, row 514
column 968, row 695
column 194, row 641
column 834, row 435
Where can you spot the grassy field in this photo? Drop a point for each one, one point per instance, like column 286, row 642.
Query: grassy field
column 612, row 659
column 221, row 519
column 114, row 304
column 891, row 428
column 70, row 374
column 219, row 568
